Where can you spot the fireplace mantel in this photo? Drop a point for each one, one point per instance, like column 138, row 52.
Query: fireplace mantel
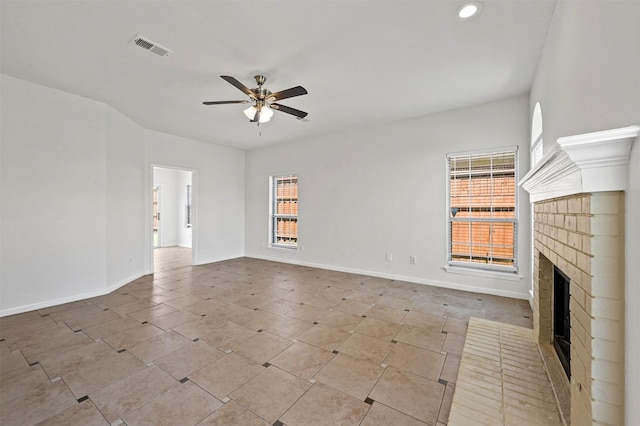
column 590, row 162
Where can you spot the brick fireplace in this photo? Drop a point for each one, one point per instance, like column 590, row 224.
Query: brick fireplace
column 578, row 195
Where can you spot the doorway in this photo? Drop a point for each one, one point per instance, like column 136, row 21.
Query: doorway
column 173, row 220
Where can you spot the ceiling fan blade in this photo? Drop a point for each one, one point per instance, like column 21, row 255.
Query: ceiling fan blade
column 289, row 110
column 288, row 93
column 225, row 102
column 239, row 85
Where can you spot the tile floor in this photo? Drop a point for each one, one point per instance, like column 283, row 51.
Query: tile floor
column 243, row 342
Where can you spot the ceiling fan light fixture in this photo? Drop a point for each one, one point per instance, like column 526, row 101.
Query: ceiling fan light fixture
column 265, row 113
column 469, row 10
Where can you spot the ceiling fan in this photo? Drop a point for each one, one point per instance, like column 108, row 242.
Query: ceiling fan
column 263, row 100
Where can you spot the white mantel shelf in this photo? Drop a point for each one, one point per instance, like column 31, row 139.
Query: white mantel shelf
column 590, row 162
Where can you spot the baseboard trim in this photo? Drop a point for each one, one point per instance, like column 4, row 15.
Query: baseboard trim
column 68, row 299
column 417, row 280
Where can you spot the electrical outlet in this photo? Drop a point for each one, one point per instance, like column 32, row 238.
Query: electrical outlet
column 389, row 257
column 413, row 260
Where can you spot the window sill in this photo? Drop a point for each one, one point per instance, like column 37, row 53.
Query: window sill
column 284, row 248
column 508, row 276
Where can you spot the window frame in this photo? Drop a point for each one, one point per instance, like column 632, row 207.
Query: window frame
column 476, row 267
column 274, row 215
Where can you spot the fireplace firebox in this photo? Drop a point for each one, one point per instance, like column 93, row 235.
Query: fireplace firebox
column 561, row 319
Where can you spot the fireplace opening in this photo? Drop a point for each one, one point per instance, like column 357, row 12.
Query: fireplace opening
column 561, row 319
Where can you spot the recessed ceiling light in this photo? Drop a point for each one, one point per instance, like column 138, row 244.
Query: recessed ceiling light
column 469, row 9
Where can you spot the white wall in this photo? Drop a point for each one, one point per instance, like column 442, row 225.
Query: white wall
column 381, row 190
column 124, row 199
column 173, row 201
column 75, row 196
column 588, row 79
column 66, row 166
column 218, row 193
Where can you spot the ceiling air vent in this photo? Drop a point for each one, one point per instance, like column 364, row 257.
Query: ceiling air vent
column 150, row 46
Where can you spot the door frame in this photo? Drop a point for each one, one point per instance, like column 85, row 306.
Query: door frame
column 194, row 211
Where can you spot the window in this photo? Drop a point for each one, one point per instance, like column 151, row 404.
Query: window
column 536, row 135
column 482, row 210
column 284, row 211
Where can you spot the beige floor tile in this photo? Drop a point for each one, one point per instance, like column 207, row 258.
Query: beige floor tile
column 419, row 319
column 380, row 414
column 71, row 361
column 302, row 360
column 183, row 301
column 33, row 337
column 190, row 358
column 70, row 314
column 443, row 414
column 453, row 344
column 416, row 360
column 226, row 374
column 288, row 327
column 195, row 329
column 15, row 330
column 223, row 338
column 21, row 382
column 254, row 320
column 112, row 300
column 132, row 336
column 350, row 375
column 52, row 347
column 324, row 405
column 94, row 376
column 84, row 413
column 341, row 320
column 152, row 313
column 410, row 394
column 132, row 392
column 427, row 307
column 233, row 414
column 367, row 348
column 262, row 347
column 107, row 328
column 270, row 393
column 425, row 338
column 13, row 361
column 307, row 313
column 134, row 306
column 186, row 404
column 63, row 307
column 80, row 323
column 383, row 330
column 386, row 313
column 455, row 326
column 42, row 403
column 155, row 347
column 365, row 298
column 175, row 319
column 290, row 298
column 353, row 307
column 400, row 301
column 450, row 368
column 327, row 338
column 279, row 306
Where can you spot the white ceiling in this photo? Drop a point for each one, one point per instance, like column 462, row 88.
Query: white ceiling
column 363, row 62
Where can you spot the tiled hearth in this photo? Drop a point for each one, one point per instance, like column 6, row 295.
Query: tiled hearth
column 578, row 195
